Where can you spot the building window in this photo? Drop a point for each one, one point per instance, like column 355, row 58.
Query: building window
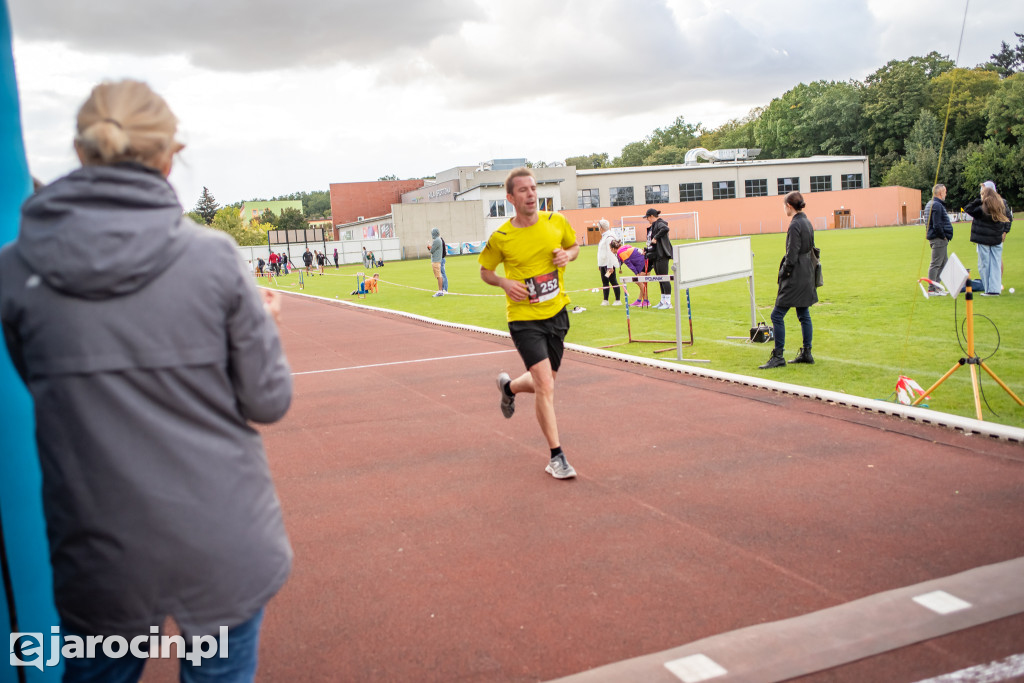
column 587, row 199
column 723, row 189
column 821, row 183
column 545, row 203
column 787, row 185
column 755, row 188
column 852, row 181
column 500, row 208
column 621, row 196
column 656, row 194
column 691, row 192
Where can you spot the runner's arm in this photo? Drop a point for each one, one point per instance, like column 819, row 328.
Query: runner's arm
column 563, row 256
column 513, row 288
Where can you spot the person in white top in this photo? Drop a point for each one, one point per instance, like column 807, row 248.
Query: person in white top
column 607, row 263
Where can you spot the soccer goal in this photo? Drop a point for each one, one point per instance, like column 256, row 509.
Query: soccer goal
column 681, row 226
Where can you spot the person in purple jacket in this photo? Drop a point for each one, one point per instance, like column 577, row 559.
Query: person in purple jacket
column 633, row 259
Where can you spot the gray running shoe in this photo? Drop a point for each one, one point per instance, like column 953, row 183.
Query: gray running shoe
column 508, row 403
column 559, row 468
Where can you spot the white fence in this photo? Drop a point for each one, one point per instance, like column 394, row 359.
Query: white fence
column 349, row 251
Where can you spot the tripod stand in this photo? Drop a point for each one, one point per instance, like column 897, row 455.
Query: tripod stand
column 971, row 361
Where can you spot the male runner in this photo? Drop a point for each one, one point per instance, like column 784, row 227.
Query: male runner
column 535, row 248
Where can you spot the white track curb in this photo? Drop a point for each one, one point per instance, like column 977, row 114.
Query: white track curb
column 922, row 415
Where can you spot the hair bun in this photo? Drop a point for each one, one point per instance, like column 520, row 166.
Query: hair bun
column 105, row 141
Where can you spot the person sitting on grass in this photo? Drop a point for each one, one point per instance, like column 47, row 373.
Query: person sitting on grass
column 634, row 259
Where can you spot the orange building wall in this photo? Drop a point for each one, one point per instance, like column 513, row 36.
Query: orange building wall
column 869, row 207
column 349, row 201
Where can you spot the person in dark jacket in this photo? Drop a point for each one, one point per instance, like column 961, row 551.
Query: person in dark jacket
column 938, row 234
column 659, row 253
column 796, row 284
column 992, row 221
column 147, row 361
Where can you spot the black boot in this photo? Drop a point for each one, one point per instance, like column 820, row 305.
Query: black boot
column 804, row 356
column 776, row 361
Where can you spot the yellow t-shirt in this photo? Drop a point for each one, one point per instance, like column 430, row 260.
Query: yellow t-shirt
column 528, row 256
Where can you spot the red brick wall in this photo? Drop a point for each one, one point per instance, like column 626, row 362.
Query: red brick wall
column 349, row 201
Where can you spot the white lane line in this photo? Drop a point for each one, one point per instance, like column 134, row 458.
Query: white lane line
column 401, row 362
column 941, row 602
column 1007, row 669
column 695, row 668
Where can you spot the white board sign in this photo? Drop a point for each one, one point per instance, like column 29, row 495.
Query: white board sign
column 710, row 261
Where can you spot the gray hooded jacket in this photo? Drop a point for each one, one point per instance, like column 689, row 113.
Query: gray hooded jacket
column 147, row 351
column 436, row 246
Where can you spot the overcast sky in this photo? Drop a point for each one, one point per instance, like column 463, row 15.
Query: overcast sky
column 276, row 97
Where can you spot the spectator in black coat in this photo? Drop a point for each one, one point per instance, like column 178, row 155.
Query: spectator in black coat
column 659, row 253
column 796, row 284
column 939, row 233
column 992, row 221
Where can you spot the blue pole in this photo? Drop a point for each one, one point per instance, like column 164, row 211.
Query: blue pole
column 28, row 596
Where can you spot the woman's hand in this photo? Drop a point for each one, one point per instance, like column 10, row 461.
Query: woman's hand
column 272, row 303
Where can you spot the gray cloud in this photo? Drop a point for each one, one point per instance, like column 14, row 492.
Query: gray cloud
column 243, row 35
column 600, row 56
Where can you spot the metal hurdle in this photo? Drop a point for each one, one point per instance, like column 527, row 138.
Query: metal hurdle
column 629, row 326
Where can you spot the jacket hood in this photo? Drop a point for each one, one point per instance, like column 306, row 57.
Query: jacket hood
column 102, row 231
column 435, row 233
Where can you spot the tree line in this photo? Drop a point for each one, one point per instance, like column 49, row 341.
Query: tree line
column 901, row 117
column 315, row 204
column 910, row 117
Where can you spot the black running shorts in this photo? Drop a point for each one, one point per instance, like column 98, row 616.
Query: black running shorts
column 536, row 340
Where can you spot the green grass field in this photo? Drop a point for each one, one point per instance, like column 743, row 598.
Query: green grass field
column 870, row 326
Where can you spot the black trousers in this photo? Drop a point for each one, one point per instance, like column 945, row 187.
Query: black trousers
column 606, row 281
column 661, row 268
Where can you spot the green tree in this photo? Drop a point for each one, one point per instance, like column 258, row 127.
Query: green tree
column 954, row 176
column 666, row 156
column 317, row 204
column 196, row 217
column 1005, row 111
column 917, row 169
column 229, row 220
column 733, row 134
column 1000, row 163
column 291, row 219
column 679, row 134
column 595, row 160
column 833, row 122
column 633, row 154
column 1009, row 60
column 894, row 96
column 964, row 94
column 880, row 165
column 268, row 217
column 927, row 132
column 206, row 206
column 388, row 177
column 822, row 117
column 253, row 235
column 905, row 173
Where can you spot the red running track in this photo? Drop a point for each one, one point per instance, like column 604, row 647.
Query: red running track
column 430, row 545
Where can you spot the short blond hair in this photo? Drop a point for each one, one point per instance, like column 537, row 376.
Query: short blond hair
column 125, row 121
column 520, row 172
